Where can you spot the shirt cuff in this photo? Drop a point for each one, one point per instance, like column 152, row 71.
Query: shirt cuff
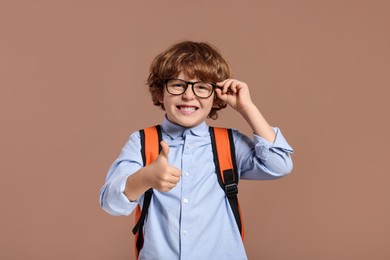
column 263, row 148
column 118, row 200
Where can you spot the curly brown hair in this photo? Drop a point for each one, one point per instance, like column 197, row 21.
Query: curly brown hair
column 196, row 60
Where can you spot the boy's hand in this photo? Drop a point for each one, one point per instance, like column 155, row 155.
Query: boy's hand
column 235, row 93
column 162, row 176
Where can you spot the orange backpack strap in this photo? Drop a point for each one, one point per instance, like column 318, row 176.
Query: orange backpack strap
column 225, row 163
column 150, row 148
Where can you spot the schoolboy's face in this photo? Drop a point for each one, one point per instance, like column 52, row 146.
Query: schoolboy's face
column 187, row 109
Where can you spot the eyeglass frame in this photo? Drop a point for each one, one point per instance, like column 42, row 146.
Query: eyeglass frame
column 192, row 87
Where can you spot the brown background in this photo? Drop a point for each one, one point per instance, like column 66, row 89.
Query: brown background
column 72, row 77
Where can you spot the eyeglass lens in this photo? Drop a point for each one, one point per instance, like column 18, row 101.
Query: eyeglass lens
column 178, row 87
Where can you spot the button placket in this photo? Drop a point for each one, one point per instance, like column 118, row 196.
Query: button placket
column 186, row 164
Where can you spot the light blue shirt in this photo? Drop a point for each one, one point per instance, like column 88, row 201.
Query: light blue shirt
column 193, row 220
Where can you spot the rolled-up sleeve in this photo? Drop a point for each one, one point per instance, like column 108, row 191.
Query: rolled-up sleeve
column 112, row 198
column 259, row 159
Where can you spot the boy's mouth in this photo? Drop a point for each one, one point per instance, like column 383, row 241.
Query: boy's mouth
column 187, row 109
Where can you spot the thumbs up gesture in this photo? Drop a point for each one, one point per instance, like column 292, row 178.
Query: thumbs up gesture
column 163, row 176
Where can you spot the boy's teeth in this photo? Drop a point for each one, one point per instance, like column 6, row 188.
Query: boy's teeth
column 187, row 109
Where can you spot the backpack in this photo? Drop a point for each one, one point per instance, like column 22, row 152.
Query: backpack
column 225, row 165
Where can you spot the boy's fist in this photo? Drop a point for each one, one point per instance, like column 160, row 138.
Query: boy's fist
column 163, row 176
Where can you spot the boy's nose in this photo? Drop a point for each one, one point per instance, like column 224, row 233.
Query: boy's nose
column 188, row 94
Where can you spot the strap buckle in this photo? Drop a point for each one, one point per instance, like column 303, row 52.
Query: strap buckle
column 231, row 189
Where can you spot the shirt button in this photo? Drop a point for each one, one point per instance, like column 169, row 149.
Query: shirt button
column 186, row 174
column 185, row 201
column 184, row 232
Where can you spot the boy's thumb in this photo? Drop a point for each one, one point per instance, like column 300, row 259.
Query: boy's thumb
column 164, row 149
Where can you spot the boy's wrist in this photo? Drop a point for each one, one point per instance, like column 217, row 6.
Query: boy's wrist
column 137, row 183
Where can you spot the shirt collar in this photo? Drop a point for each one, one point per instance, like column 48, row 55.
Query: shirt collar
column 174, row 130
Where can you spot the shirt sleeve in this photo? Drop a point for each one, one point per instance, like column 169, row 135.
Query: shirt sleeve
column 258, row 159
column 112, row 198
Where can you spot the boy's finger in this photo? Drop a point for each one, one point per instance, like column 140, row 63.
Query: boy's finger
column 220, row 95
column 176, row 172
column 164, row 149
column 233, row 87
column 227, row 87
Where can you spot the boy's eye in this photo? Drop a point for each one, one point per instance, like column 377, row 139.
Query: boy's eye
column 204, row 87
column 176, row 87
column 201, row 87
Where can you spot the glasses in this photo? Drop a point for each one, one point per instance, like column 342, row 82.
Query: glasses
column 200, row 89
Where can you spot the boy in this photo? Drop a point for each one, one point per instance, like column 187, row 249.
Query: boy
column 189, row 216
